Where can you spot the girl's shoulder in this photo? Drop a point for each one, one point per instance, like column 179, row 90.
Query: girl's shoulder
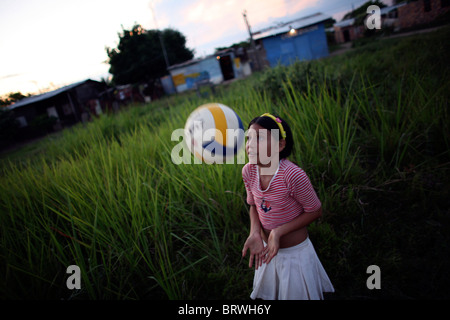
column 290, row 167
column 248, row 170
column 292, row 171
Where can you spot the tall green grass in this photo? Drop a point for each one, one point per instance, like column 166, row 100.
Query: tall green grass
column 371, row 130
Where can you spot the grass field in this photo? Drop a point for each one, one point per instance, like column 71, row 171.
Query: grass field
column 371, row 129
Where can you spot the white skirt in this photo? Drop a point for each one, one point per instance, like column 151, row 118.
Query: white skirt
column 295, row 273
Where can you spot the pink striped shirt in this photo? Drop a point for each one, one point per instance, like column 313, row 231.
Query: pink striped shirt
column 288, row 195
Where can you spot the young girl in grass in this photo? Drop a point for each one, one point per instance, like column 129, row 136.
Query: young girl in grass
column 282, row 204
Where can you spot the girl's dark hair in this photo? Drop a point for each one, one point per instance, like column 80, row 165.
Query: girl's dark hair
column 269, row 124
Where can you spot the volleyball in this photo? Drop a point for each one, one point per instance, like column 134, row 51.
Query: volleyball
column 214, row 133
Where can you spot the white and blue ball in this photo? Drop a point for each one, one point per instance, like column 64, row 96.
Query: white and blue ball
column 214, row 133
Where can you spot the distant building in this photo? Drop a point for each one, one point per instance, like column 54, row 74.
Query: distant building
column 389, row 17
column 405, row 15
column 300, row 39
column 421, row 12
column 214, row 69
column 347, row 30
column 69, row 104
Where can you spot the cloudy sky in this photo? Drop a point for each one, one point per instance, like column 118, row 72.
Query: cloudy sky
column 45, row 44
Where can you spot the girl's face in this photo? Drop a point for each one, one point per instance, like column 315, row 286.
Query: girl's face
column 262, row 147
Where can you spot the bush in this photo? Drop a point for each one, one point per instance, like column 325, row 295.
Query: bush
column 42, row 124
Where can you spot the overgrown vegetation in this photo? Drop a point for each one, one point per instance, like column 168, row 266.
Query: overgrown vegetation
column 372, row 132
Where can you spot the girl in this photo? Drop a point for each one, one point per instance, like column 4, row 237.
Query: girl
column 282, row 204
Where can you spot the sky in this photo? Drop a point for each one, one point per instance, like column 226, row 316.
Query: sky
column 46, row 44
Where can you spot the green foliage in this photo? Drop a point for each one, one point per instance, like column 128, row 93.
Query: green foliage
column 371, row 130
column 12, row 97
column 43, row 124
column 242, row 44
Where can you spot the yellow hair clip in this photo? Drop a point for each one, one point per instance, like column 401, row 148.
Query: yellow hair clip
column 278, row 121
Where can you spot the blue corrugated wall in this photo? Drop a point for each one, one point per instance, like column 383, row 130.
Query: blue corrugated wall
column 286, row 49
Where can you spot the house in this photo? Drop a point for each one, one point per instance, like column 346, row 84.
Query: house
column 409, row 14
column 300, row 39
column 213, row 69
column 347, row 30
column 421, row 12
column 68, row 105
column 389, row 17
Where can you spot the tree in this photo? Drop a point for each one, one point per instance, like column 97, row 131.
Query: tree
column 11, row 98
column 329, row 23
column 242, row 44
column 139, row 56
column 361, row 12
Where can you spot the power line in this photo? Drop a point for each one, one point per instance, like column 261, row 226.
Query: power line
column 329, row 10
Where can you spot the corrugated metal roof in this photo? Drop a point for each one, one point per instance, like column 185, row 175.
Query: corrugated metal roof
column 345, row 23
column 389, row 9
column 196, row 60
column 188, row 63
column 285, row 27
column 46, row 95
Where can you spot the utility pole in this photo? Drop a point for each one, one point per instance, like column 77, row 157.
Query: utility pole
column 166, row 59
column 252, row 42
column 160, row 37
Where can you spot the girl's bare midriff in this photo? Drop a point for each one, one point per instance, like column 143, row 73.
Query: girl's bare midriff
column 288, row 240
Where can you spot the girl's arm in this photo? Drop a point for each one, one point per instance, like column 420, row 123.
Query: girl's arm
column 301, row 221
column 255, row 224
column 254, row 240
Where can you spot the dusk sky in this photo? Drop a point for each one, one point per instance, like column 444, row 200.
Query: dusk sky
column 46, row 44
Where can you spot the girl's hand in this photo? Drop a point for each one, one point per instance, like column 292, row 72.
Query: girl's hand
column 273, row 244
column 255, row 244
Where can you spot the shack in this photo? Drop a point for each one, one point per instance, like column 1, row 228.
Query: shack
column 222, row 66
column 67, row 105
